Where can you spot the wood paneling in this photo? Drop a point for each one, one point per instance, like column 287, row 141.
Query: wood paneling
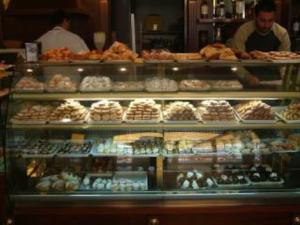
column 243, row 215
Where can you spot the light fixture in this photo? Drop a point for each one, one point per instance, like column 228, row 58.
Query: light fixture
column 175, row 69
column 80, row 70
column 66, row 120
column 123, row 69
column 234, row 69
column 29, row 70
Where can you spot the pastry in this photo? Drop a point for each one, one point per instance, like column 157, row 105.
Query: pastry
column 61, row 83
column 254, row 110
column 96, row 83
column 127, row 185
column 143, row 109
column 237, row 142
column 29, row 84
column 156, row 84
column 119, row 51
column 226, row 85
column 231, row 175
column 41, row 147
column 59, row 182
column 292, row 112
column 33, row 113
column 187, row 56
column 157, row 54
column 89, row 55
column 213, row 110
column 193, row 180
column 106, row 111
column 193, row 85
column 76, row 148
column 59, row 54
column 217, row 52
column 180, row 111
column 70, row 111
column 263, row 173
column 128, row 86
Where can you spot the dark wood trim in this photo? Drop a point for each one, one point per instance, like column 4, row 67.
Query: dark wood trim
column 154, row 210
column 105, row 22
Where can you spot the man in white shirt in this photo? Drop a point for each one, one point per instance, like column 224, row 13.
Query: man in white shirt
column 60, row 36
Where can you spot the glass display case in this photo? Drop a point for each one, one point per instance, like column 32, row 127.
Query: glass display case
column 155, row 130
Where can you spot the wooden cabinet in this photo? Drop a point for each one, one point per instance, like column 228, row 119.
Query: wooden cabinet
column 225, row 215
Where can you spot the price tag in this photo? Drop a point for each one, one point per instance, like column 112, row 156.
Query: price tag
column 78, row 138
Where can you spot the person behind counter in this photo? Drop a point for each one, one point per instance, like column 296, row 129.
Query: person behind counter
column 263, row 33
column 60, row 36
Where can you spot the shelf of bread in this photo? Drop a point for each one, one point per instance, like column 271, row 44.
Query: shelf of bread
column 157, row 95
column 213, row 54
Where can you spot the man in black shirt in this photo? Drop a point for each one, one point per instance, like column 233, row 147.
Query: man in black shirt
column 263, row 33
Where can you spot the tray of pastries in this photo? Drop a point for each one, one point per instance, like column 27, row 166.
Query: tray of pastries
column 255, row 112
column 194, row 85
column 290, row 114
column 158, row 56
column 106, row 112
column 238, row 142
column 32, row 114
column 61, row 83
column 226, row 85
column 143, row 111
column 119, row 53
column 218, row 53
column 194, row 180
column 231, row 176
column 62, row 182
column 188, row 57
column 186, row 147
column 41, row 148
column 74, row 149
column 96, row 182
column 29, row 84
column 130, row 181
column 96, row 84
column 216, row 112
column 130, row 86
column 70, row 112
column 59, row 55
column 180, row 112
column 157, row 84
column 276, row 56
column 93, row 56
column 264, row 175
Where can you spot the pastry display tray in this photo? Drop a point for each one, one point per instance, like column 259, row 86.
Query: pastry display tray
column 191, row 60
column 59, row 122
column 29, row 90
column 28, row 122
column 267, row 183
column 156, row 61
column 108, row 122
column 94, row 90
column 86, row 61
column 233, row 185
column 255, row 121
column 135, row 176
column 279, row 111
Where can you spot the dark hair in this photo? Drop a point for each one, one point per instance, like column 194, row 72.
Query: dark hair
column 59, row 16
column 265, row 6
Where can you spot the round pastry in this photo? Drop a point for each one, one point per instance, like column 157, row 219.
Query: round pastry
column 43, row 186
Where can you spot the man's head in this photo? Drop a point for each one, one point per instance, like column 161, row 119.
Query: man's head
column 265, row 15
column 61, row 18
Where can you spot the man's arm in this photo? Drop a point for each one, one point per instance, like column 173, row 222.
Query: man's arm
column 239, row 41
column 285, row 43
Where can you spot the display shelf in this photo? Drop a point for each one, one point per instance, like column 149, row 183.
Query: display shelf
column 124, row 126
column 244, row 95
column 140, row 62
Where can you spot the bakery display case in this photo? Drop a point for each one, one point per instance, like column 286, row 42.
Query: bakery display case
column 153, row 130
